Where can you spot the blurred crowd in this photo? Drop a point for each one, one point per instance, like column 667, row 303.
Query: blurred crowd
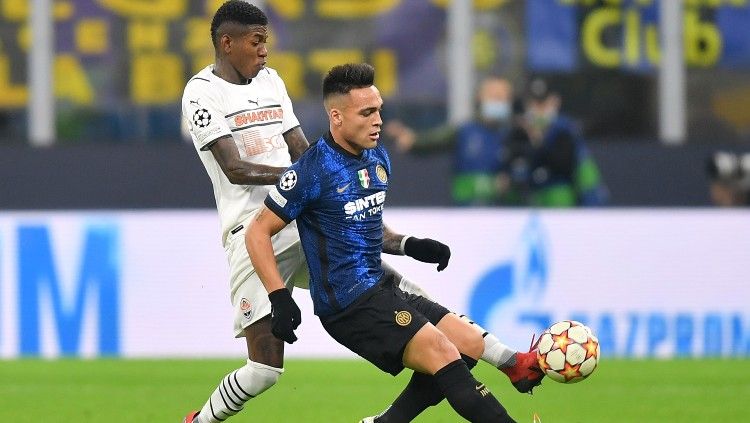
column 729, row 175
column 517, row 150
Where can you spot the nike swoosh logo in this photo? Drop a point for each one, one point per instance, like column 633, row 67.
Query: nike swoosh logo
column 342, row 189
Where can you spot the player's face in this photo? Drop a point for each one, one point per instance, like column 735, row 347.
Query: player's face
column 360, row 120
column 249, row 51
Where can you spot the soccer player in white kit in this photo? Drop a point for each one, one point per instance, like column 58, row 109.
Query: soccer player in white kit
column 243, row 126
column 242, row 123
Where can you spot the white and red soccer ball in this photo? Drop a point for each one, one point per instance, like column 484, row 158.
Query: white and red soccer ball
column 568, row 351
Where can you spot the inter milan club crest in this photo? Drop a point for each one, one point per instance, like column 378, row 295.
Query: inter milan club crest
column 403, row 318
column 364, row 178
column 381, row 173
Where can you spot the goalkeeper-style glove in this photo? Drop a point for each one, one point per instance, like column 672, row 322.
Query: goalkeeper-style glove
column 427, row 250
column 285, row 315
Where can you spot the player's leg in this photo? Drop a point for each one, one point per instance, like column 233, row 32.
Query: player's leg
column 521, row 368
column 252, row 320
column 422, row 391
column 495, row 352
column 382, row 327
column 431, row 352
column 262, row 370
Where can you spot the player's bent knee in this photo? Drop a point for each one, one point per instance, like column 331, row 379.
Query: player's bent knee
column 255, row 378
column 446, row 349
column 429, row 351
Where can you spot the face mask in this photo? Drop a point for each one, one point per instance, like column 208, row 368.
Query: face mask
column 495, row 110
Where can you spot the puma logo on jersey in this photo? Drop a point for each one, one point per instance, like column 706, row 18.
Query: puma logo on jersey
column 342, row 189
column 195, row 102
column 251, row 101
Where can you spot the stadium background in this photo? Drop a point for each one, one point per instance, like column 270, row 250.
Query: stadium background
column 109, row 243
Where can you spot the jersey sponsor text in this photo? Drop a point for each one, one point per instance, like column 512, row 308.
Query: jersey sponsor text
column 372, row 203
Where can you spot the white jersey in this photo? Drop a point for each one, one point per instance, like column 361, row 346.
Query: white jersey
column 256, row 115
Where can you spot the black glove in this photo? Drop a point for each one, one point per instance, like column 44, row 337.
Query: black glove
column 285, row 315
column 428, row 251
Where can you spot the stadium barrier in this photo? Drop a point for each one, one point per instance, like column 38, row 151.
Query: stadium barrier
column 649, row 282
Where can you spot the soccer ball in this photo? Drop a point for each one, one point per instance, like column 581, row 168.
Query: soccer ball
column 568, row 352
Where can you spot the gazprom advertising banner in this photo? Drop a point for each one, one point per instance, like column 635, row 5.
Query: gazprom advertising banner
column 650, row 283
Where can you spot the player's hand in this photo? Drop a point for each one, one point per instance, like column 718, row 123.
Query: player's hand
column 428, row 251
column 285, row 315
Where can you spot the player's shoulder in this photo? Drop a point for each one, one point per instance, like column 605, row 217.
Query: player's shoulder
column 267, row 72
column 201, row 81
column 270, row 76
column 318, row 158
column 381, row 152
column 314, row 153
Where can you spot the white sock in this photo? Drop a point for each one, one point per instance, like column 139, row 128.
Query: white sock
column 495, row 352
column 235, row 389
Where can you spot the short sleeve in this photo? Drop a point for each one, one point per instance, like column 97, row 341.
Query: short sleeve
column 203, row 114
column 296, row 189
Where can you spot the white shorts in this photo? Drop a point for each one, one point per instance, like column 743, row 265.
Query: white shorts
column 248, row 295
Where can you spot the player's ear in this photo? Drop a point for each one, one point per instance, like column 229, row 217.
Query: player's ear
column 225, row 43
column 335, row 116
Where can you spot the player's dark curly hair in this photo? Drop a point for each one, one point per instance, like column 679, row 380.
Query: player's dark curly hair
column 237, row 11
column 343, row 78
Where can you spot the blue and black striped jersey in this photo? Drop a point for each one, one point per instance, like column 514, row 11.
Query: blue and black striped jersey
column 337, row 199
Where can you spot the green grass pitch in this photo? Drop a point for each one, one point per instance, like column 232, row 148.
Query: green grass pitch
column 346, row 390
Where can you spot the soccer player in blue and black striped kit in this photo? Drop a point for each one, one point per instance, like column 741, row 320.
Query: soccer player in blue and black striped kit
column 336, row 192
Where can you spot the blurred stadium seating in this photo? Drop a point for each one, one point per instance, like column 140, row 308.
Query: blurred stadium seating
column 600, row 56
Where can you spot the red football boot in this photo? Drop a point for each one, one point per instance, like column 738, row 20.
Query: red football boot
column 526, row 373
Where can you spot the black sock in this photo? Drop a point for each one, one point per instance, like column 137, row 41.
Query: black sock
column 471, row 399
column 420, row 393
column 470, row 362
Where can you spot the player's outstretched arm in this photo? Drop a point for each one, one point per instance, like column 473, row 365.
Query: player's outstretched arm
column 285, row 314
column 423, row 249
column 296, row 141
column 392, row 242
column 240, row 172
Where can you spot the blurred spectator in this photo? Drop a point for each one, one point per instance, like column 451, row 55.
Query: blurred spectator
column 729, row 174
column 477, row 144
column 546, row 162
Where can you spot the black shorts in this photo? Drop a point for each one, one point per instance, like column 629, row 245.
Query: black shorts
column 380, row 323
